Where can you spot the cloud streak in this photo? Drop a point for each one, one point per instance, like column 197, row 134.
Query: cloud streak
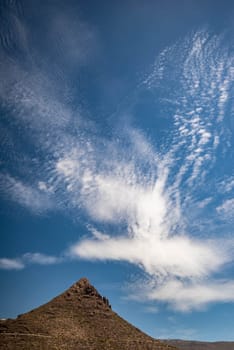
column 33, row 198
column 11, row 264
column 226, row 209
column 28, row 259
column 178, row 256
column 186, row 296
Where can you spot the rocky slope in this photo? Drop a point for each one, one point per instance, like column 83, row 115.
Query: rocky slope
column 78, row 319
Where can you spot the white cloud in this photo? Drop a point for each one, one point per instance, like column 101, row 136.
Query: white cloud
column 28, row 259
column 177, row 256
column 40, row 259
column 141, row 146
column 227, row 185
column 67, row 167
column 203, row 203
column 97, row 234
column 205, row 137
column 34, row 199
column 226, row 209
column 110, row 198
column 43, row 186
column 191, row 295
column 11, row 264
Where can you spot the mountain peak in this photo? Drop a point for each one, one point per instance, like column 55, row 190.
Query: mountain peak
column 83, row 292
column 80, row 318
column 82, row 287
column 83, row 281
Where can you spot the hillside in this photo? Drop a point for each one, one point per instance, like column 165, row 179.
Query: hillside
column 197, row 345
column 80, row 318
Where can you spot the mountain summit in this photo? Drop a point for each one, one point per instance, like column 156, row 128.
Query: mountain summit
column 78, row 319
column 83, row 290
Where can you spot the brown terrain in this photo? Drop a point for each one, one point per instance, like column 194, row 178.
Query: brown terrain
column 80, row 318
column 197, row 345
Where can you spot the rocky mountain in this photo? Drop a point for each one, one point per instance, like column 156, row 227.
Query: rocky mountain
column 78, row 319
column 197, row 345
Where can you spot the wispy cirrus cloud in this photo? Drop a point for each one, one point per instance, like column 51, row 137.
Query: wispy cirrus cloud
column 184, row 295
column 36, row 106
column 11, row 264
column 41, row 259
column 28, row 259
column 227, row 185
column 226, row 209
column 33, row 198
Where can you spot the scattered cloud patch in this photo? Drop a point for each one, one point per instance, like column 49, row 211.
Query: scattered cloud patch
column 11, row 264
column 28, row 259
column 32, row 198
column 97, row 234
column 203, row 203
column 185, row 296
column 40, row 259
column 226, row 209
column 43, row 186
column 227, row 185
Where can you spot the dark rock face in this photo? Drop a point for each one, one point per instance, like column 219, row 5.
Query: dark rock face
column 106, row 302
column 78, row 319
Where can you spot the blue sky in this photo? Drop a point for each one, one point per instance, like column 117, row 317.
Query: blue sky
column 117, row 159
